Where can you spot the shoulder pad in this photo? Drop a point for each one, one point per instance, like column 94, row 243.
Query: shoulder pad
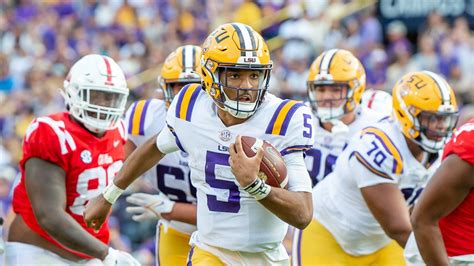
column 44, row 127
column 282, row 117
column 136, row 120
column 379, row 153
column 139, row 114
column 186, row 100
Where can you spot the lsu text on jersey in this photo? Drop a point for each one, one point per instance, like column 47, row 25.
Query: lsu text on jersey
column 230, row 221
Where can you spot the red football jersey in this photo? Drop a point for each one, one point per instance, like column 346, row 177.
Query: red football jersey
column 457, row 228
column 90, row 163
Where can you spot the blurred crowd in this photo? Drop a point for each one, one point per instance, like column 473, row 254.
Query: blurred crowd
column 40, row 40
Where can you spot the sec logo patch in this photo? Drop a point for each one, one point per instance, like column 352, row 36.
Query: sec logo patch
column 86, row 156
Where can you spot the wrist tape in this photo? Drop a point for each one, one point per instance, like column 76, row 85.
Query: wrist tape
column 111, row 193
column 258, row 189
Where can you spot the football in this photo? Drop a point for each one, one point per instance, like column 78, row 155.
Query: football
column 273, row 168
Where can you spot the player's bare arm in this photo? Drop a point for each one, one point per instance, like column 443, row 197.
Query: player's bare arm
column 447, row 189
column 142, row 159
column 295, row 208
column 129, row 147
column 389, row 208
column 45, row 183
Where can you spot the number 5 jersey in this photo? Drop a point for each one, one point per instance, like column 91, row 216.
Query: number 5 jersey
column 228, row 217
column 89, row 163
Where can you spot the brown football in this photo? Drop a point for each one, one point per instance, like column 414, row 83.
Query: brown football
column 273, row 167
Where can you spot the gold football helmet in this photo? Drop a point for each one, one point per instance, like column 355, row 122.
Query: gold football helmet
column 181, row 67
column 426, row 109
column 234, row 46
column 336, row 68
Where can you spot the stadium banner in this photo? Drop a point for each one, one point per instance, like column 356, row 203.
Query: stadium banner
column 414, row 12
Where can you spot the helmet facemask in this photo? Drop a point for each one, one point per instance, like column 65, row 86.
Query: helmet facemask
column 434, row 129
column 338, row 107
column 235, row 47
column 236, row 100
column 99, row 108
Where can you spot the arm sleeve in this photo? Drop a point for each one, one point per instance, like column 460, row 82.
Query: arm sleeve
column 375, row 159
column 166, row 142
column 364, row 175
column 300, row 133
column 48, row 142
column 298, row 177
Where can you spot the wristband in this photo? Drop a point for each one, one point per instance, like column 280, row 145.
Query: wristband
column 258, row 189
column 111, row 193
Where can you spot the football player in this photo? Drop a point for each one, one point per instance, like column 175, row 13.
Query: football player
column 336, row 83
column 442, row 218
column 69, row 158
column 240, row 219
column 177, row 197
column 361, row 209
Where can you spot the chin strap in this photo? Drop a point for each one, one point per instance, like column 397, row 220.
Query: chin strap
column 338, row 127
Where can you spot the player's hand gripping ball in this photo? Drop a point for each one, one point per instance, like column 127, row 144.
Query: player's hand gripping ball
column 272, row 168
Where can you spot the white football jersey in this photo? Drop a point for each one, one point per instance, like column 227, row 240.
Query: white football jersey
column 171, row 176
column 228, row 217
column 378, row 154
column 320, row 159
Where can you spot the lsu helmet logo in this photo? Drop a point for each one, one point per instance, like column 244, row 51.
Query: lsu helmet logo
column 250, row 59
